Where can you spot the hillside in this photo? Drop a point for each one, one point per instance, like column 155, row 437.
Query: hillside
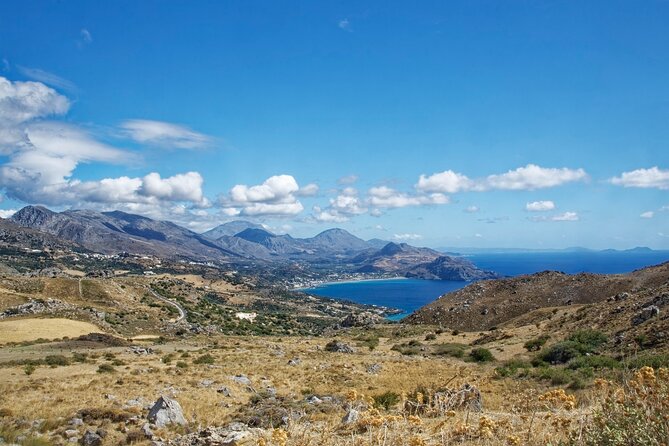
column 494, row 303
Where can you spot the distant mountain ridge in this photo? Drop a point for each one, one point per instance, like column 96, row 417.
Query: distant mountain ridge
column 114, row 232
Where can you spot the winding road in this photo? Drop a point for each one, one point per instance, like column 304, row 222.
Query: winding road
column 182, row 312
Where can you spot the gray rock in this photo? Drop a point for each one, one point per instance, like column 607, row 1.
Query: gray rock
column 295, row 361
column 166, row 411
column 218, row 436
column 146, row 430
column 374, row 369
column 338, row 347
column 206, row 382
column 241, row 379
column 76, row 422
column 71, row 433
column 90, row 438
column 314, row 400
column 351, row 416
column 645, row 314
column 224, row 391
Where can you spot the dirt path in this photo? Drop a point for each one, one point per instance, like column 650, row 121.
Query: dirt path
column 182, row 312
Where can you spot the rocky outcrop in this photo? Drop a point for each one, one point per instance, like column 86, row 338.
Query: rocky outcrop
column 166, row 411
column 338, row 347
column 364, row 319
column 450, row 268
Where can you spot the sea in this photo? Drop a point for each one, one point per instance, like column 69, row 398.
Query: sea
column 410, row 294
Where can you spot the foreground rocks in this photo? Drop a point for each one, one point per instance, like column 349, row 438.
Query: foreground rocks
column 166, row 411
column 235, row 434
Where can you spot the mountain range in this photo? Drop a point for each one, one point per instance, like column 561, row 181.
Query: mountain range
column 240, row 242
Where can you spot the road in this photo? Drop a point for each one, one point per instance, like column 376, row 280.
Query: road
column 182, row 312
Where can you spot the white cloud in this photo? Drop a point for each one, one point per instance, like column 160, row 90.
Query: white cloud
column 309, row 190
column 540, row 206
column 6, row 213
column 164, row 134
column 386, row 197
column 275, row 196
column 48, row 78
column 533, row 177
column 448, row 182
column 529, row 177
column 472, row 209
column 647, row 214
column 477, row 235
column 345, row 205
column 328, row 215
column 407, row 236
column 348, row 179
column 345, row 25
column 565, row 216
column 86, row 36
column 181, row 187
column 23, row 101
column 643, row 178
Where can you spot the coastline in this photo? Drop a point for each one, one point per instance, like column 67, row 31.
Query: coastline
column 338, row 282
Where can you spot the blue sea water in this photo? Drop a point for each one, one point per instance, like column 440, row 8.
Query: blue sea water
column 411, row 294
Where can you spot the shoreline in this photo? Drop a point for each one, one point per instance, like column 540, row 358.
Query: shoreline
column 338, row 282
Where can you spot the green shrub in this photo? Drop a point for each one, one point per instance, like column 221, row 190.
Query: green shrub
column 590, row 339
column 481, row 355
column 204, row 359
column 511, row 367
column 430, row 337
column 106, row 368
column 450, row 349
column 595, row 362
column 535, row 344
column 561, row 353
column 386, row 400
column 29, row 369
column 182, row 365
column 56, row 360
column 648, row 360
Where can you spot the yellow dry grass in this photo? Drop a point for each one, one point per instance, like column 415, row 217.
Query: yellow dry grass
column 30, row 329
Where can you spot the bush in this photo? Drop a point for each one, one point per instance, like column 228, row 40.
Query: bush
column 182, row 365
column 595, row 362
column 589, row 339
column 106, row 368
column 450, row 349
column 561, row 353
column 386, row 400
column 648, row 360
column 29, row 369
column 481, row 355
column 56, row 360
column 630, row 414
column 509, row 368
column 204, row 359
column 535, row 344
column 430, row 337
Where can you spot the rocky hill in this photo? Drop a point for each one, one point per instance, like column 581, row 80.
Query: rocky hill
column 114, row 232
column 493, row 303
column 450, row 268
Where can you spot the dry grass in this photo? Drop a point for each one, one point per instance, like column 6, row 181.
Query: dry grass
column 31, row 329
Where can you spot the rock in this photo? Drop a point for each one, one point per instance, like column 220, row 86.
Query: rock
column 76, row 422
column 166, row 411
column 351, row 417
column 295, row 361
column 224, row 391
column 90, row 438
column 241, row 379
column 235, row 434
column 313, row 399
column 71, row 433
column 146, row 430
column 645, row 314
column 101, row 432
column 374, row 369
column 206, row 382
column 338, row 347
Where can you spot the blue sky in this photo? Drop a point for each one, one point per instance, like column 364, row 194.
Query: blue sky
column 464, row 123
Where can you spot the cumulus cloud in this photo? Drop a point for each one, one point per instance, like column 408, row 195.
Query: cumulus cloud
column 6, row 213
column 276, row 196
column 181, row 187
column 345, row 205
column 345, row 24
column 386, row 197
column 407, row 236
column 472, row 209
column 540, row 206
column 164, row 134
column 529, row 177
column 654, row 178
column 647, row 214
column 23, row 101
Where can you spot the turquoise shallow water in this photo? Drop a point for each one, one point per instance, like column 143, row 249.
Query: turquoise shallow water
column 411, row 294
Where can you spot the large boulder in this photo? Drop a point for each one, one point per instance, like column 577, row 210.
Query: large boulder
column 645, row 314
column 166, row 411
column 338, row 347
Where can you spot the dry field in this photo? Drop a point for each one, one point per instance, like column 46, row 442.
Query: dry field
column 31, row 329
